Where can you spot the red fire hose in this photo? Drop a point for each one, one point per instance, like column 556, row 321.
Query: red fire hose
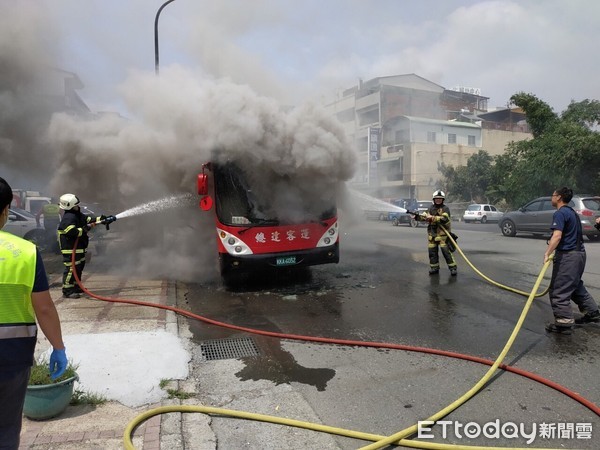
column 346, row 342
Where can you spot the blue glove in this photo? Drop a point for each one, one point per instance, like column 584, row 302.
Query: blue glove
column 58, row 363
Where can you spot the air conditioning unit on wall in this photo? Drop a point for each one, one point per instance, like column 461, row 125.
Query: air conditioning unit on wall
column 395, row 148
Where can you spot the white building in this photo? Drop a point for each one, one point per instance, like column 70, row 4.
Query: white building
column 403, row 127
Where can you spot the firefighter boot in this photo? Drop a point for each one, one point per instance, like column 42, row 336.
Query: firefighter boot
column 453, row 271
column 559, row 328
column 593, row 317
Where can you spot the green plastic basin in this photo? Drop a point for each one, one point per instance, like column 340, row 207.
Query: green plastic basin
column 48, row 400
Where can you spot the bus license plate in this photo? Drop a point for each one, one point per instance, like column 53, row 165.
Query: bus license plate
column 287, row 261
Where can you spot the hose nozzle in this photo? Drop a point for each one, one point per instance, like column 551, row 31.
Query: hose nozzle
column 108, row 221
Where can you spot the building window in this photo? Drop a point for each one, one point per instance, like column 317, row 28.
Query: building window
column 471, row 141
column 431, row 136
column 451, row 138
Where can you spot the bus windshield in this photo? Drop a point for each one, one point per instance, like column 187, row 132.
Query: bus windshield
column 237, row 204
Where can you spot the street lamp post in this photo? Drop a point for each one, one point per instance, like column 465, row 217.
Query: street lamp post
column 156, row 35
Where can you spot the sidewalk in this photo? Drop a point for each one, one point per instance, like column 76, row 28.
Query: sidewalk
column 102, row 426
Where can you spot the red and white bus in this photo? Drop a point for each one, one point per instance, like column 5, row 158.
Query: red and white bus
column 248, row 239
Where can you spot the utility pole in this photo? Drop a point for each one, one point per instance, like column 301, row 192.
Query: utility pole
column 156, row 35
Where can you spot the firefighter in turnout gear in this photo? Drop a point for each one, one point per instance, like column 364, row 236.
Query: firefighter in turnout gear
column 74, row 225
column 438, row 214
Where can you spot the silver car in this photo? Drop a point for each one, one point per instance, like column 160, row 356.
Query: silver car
column 23, row 224
column 536, row 217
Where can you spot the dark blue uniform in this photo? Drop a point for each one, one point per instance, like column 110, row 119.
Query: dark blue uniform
column 567, row 270
column 73, row 228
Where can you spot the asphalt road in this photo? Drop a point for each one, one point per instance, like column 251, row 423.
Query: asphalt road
column 381, row 291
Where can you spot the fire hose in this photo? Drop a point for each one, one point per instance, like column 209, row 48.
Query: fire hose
column 399, row 438
column 452, row 239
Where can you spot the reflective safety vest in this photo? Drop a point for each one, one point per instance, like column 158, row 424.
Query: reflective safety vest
column 51, row 211
column 18, row 330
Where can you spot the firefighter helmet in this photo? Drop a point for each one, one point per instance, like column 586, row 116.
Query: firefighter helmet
column 439, row 194
column 68, row 201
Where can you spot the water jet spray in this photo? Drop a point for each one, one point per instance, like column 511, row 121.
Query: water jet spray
column 158, row 205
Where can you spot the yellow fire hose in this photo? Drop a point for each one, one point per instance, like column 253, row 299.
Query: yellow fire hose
column 477, row 387
column 485, row 277
column 379, row 441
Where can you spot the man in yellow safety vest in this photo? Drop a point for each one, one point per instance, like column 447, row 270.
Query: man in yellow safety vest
column 51, row 213
column 24, row 296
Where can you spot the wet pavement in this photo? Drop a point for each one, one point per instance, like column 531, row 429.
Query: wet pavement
column 382, row 292
column 379, row 292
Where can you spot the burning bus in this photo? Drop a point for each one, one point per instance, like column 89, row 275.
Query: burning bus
column 252, row 236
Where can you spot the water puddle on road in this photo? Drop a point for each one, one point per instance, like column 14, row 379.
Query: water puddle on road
column 280, row 367
column 280, row 307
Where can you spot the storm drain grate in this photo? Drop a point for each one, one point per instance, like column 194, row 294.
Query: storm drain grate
column 228, row 348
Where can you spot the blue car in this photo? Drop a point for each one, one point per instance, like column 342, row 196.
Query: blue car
column 398, row 218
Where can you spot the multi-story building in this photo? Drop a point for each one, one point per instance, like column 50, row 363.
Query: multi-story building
column 38, row 95
column 56, row 91
column 403, row 127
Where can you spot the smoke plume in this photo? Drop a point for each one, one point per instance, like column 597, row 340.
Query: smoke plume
column 25, row 55
column 296, row 159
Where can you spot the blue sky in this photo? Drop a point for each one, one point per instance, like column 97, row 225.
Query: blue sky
column 298, row 50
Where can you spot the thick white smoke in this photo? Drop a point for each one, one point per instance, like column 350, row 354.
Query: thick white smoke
column 296, row 160
column 25, row 52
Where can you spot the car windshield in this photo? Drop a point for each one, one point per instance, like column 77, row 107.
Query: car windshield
column 22, row 212
column 473, row 208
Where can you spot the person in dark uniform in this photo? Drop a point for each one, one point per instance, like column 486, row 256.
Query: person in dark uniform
column 568, row 266
column 74, row 227
column 438, row 215
column 25, row 298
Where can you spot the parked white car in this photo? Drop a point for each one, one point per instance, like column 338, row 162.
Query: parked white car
column 23, row 224
column 482, row 213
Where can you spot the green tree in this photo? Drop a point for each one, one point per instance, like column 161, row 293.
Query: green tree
column 585, row 113
column 540, row 116
column 565, row 151
column 470, row 182
column 497, row 187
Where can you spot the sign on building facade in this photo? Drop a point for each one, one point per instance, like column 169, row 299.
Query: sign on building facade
column 374, row 146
